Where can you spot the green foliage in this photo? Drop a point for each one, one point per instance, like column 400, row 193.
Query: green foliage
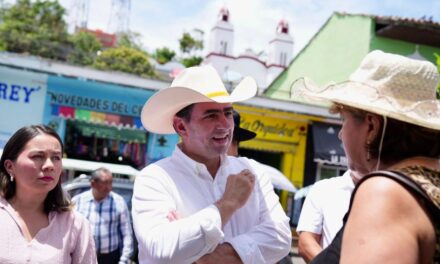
column 164, row 55
column 188, row 44
column 437, row 56
column 191, row 61
column 130, row 40
column 36, row 27
column 85, row 48
column 125, row 59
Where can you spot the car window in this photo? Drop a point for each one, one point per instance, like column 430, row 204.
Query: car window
column 77, row 191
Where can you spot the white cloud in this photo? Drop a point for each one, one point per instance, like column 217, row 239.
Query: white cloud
column 162, row 23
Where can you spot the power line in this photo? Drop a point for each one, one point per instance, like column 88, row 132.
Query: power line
column 119, row 20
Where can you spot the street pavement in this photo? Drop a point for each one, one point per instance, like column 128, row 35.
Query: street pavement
column 296, row 259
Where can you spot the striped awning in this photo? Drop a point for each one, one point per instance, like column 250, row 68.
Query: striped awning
column 88, row 129
column 120, row 121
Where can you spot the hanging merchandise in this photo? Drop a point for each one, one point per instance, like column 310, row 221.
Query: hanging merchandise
column 105, row 148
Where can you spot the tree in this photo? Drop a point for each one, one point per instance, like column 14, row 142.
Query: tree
column 85, row 48
column 164, row 55
column 191, row 61
column 189, row 46
column 130, row 40
column 36, row 27
column 125, row 59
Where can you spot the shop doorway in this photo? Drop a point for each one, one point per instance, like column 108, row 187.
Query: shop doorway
column 87, row 141
column 269, row 158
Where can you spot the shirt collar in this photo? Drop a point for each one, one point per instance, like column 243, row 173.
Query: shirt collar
column 194, row 165
column 348, row 179
column 88, row 196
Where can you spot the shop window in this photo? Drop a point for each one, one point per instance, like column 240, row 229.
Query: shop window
column 328, row 171
column 100, row 143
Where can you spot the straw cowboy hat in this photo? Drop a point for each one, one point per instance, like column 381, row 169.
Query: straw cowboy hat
column 241, row 134
column 193, row 85
column 386, row 84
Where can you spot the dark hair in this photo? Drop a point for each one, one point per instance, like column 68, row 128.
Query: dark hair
column 185, row 112
column 56, row 199
column 96, row 174
column 404, row 140
column 401, row 140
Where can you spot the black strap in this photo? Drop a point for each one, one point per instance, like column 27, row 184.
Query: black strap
column 406, row 182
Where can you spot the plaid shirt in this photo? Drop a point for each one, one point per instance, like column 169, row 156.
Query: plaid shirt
column 110, row 222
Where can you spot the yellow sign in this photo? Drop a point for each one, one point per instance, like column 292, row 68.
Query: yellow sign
column 273, row 129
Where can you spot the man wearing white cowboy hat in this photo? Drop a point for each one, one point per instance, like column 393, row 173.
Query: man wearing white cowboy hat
column 391, row 137
column 200, row 205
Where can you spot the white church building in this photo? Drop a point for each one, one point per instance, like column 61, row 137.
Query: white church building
column 264, row 67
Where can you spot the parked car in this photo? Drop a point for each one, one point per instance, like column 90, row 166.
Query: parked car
column 72, row 168
column 123, row 187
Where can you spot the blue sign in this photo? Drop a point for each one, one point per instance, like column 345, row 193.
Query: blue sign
column 22, row 95
column 160, row 146
column 96, row 96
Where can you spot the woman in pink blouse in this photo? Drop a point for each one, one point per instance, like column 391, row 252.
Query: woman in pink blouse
column 37, row 223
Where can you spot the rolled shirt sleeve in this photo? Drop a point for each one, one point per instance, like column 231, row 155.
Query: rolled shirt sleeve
column 311, row 217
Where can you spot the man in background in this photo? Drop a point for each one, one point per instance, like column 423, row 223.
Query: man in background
column 322, row 214
column 109, row 218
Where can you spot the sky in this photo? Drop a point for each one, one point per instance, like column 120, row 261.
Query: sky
column 161, row 23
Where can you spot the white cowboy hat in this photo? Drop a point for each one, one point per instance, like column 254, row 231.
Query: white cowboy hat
column 386, row 84
column 192, row 85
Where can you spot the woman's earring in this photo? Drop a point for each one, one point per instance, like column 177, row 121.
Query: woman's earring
column 368, row 151
column 12, row 177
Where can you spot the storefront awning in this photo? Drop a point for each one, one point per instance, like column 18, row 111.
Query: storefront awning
column 110, row 132
column 327, row 146
column 88, row 116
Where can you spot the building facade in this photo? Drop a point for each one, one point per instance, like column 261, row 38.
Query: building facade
column 96, row 113
column 263, row 67
column 334, row 52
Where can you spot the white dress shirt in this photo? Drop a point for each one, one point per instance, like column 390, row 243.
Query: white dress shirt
column 325, row 207
column 259, row 231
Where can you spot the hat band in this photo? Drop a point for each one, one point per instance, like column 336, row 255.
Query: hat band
column 215, row 94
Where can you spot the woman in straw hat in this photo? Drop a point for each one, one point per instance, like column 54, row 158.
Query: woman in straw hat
column 391, row 135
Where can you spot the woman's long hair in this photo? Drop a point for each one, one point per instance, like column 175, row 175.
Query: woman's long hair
column 56, row 199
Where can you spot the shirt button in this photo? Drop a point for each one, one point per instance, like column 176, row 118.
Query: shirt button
column 199, row 169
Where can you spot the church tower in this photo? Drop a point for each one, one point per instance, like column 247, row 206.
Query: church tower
column 280, row 51
column 222, row 35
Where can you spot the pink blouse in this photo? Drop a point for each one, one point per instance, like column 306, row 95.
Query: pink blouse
column 67, row 239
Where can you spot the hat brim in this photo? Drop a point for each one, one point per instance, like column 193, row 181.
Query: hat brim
column 365, row 97
column 241, row 134
column 158, row 112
